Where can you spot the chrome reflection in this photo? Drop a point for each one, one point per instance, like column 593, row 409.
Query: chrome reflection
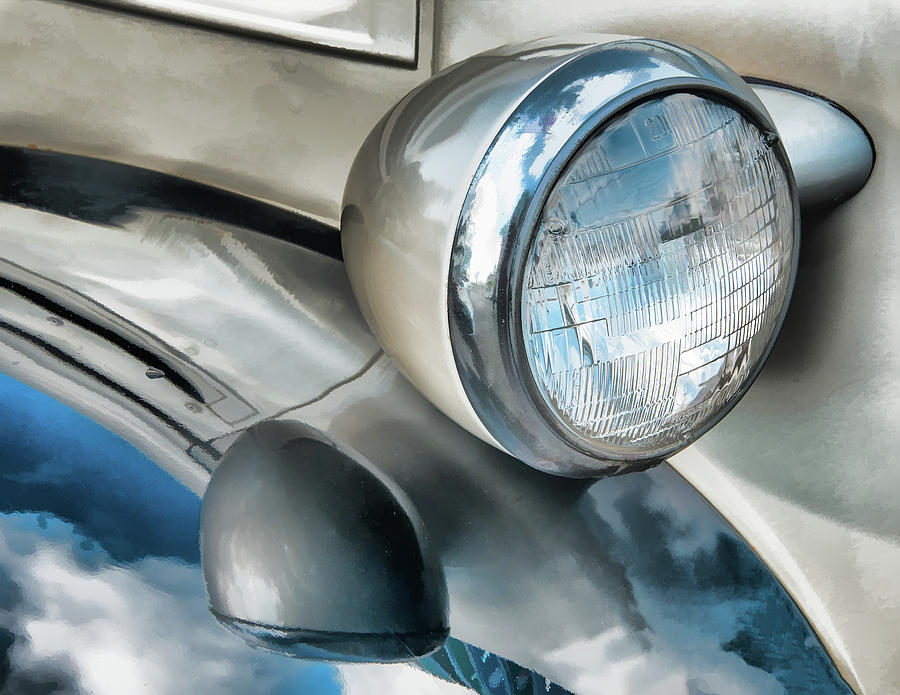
column 501, row 216
column 831, row 153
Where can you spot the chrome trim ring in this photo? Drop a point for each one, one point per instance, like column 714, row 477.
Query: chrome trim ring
column 498, row 221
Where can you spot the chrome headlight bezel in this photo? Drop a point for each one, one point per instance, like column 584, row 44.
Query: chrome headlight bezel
column 442, row 203
column 493, row 238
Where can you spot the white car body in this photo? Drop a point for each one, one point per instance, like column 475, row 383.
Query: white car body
column 805, row 467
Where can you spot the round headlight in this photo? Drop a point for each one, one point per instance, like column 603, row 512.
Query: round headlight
column 655, row 280
column 581, row 252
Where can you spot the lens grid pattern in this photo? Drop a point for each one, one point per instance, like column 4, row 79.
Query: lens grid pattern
column 658, row 273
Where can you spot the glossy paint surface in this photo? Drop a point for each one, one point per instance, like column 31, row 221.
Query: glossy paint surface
column 149, row 273
column 804, row 467
column 245, row 115
column 110, row 268
column 101, row 589
column 381, row 29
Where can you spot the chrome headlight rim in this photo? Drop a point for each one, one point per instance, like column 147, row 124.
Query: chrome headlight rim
column 487, row 265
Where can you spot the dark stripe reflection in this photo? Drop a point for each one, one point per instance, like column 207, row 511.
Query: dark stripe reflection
column 99, row 191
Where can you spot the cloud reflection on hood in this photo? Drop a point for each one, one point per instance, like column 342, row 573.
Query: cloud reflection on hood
column 77, row 622
column 101, row 589
column 100, row 583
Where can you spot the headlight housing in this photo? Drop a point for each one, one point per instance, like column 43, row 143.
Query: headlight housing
column 582, row 252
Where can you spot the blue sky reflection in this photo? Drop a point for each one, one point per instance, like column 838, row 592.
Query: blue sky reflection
column 100, row 583
column 101, row 589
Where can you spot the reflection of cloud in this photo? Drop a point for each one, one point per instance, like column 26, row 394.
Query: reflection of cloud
column 365, row 679
column 617, row 666
column 639, row 587
column 77, row 622
column 718, row 622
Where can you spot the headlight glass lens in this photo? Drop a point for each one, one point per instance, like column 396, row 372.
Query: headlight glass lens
column 658, row 273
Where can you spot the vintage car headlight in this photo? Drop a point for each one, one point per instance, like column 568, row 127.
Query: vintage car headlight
column 655, row 278
column 582, row 253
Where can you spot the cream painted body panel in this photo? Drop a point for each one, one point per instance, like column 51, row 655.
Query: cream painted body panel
column 86, row 80
column 383, row 29
column 805, row 467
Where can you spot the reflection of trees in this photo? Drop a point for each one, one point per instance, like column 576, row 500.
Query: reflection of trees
column 775, row 638
column 664, row 560
column 485, row 672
